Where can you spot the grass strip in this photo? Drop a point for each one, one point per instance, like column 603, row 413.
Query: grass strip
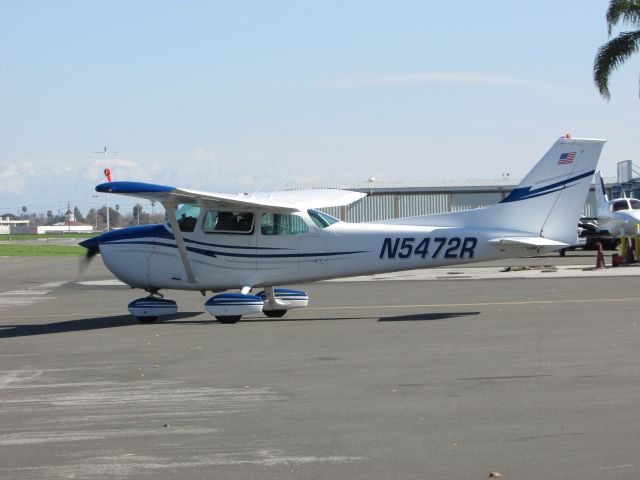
column 33, row 236
column 41, row 251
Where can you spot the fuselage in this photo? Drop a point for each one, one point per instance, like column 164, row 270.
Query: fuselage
column 279, row 248
column 620, row 216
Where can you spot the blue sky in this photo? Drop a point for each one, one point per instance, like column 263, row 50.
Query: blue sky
column 242, row 95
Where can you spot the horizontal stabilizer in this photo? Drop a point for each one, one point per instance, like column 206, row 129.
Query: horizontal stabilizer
column 528, row 241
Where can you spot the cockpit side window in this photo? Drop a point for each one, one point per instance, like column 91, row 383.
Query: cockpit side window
column 635, row 204
column 282, row 224
column 321, row 219
column 620, row 205
column 187, row 215
column 218, row 221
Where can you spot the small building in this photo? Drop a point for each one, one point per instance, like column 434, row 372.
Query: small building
column 11, row 226
column 69, row 226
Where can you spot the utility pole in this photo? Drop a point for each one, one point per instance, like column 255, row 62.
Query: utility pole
column 106, row 195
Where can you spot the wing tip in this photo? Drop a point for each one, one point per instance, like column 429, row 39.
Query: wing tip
column 133, row 188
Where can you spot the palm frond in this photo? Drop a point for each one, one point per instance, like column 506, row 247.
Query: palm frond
column 610, row 56
column 627, row 10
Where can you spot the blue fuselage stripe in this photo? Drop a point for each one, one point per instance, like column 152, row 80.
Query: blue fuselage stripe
column 216, row 253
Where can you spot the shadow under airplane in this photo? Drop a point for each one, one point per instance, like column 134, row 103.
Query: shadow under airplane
column 94, row 323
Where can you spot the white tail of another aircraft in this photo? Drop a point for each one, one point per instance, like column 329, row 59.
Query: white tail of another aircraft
column 602, row 200
column 545, row 206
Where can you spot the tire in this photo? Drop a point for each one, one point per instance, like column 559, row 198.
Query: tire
column 147, row 319
column 229, row 318
column 274, row 313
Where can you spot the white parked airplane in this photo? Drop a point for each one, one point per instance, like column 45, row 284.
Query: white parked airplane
column 218, row 242
column 619, row 216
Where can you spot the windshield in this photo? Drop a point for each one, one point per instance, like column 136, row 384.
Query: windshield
column 187, row 215
column 321, row 219
column 620, row 205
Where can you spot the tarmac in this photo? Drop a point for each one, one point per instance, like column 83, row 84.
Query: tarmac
column 526, row 369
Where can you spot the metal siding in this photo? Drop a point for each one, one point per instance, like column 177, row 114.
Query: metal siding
column 333, row 211
column 467, row 201
column 381, row 207
column 423, row 204
column 370, row 208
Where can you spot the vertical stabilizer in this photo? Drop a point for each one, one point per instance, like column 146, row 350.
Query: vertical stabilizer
column 551, row 197
column 547, row 203
column 602, row 201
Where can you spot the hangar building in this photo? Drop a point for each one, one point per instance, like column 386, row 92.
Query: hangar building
column 395, row 199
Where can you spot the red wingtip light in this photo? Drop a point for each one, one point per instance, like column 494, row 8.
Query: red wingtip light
column 568, row 135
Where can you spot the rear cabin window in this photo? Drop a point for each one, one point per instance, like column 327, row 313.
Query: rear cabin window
column 635, row 204
column 282, row 224
column 217, row 221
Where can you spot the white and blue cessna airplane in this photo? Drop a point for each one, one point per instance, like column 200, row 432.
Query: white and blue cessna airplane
column 218, row 242
column 618, row 216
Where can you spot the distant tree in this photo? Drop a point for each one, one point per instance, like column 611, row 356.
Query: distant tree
column 49, row 216
column 24, row 211
column 114, row 218
column 91, row 217
column 78, row 214
column 616, row 51
column 137, row 211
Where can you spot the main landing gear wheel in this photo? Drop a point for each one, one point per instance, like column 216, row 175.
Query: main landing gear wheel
column 274, row 313
column 147, row 319
column 228, row 318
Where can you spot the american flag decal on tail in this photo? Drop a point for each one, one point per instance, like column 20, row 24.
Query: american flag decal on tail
column 567, row 158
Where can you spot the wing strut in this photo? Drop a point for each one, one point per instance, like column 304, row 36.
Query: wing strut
column 170, row 207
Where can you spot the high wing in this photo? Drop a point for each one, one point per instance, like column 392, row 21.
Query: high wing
column 283, row 201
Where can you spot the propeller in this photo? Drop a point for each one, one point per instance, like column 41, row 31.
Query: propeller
column 93, row 248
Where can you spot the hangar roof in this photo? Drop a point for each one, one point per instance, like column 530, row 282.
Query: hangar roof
column 409, row 186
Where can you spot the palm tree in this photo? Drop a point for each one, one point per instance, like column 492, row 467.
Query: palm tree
column 616, row 51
